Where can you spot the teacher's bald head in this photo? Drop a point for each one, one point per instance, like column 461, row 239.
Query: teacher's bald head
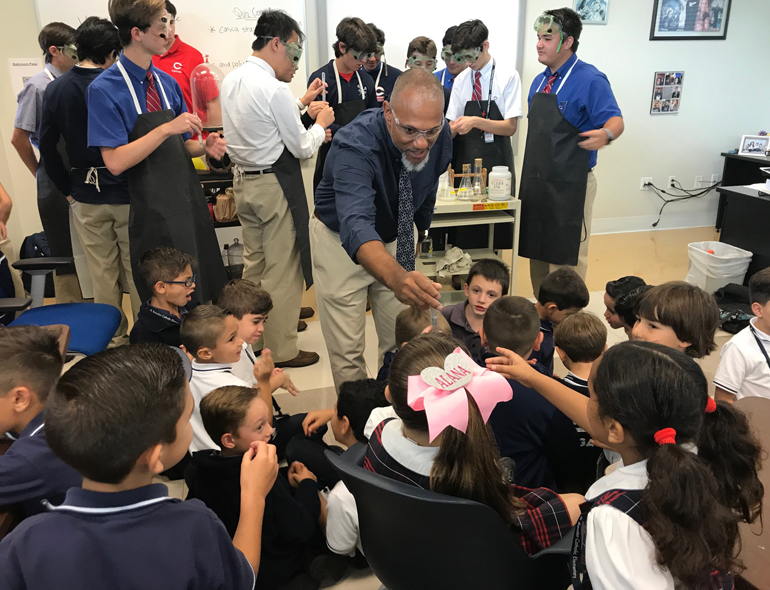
column 417, row 84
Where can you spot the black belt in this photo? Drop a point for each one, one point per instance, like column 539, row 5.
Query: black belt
column 265, row 171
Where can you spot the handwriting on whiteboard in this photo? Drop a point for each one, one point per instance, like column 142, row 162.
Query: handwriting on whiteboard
column 241, row 14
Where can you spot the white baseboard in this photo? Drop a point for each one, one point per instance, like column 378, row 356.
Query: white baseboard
column 616, row 225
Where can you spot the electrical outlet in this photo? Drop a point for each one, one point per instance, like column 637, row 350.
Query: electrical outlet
column 698, row 182
column 714, row 178
column 645, row 180
column 671, row 180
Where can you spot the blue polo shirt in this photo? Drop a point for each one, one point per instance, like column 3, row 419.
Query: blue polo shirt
column 449, row 79
column 111, row 110
column 358, row 195
column 586, row 100
column 139, row 538
column 30, row 473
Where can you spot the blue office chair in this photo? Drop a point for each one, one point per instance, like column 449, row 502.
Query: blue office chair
column 415, row 539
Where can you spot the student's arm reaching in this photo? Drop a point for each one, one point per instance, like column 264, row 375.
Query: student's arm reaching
column 263, row 371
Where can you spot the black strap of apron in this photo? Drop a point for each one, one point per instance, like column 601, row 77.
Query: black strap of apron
column 759, row 343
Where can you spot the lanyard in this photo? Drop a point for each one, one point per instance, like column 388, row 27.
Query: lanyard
column 339, row 87
column 49, row 74
column 564, row 80
column 133, row 92
column 759, row 343
column 485, row 114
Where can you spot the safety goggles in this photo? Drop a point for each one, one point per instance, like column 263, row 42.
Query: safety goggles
column 422, row 61
column 361, row 55
column 188, row 282
column 446, row 53
column 293, row 51
column 467, row 55
column 379, row 51
column 548, row 25
column 162, row 26
column 69, row 50
column 412, row 134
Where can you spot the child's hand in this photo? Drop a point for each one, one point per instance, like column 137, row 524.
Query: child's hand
column 264, row 366
column 281, row 379
column 512, row 366
column 315, row 419
column 298, row 472
column 259, row 469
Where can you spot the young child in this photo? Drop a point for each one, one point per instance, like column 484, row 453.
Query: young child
column 168, row 273
column 579, row 340
column 417, row 450
column 642, row 527
column 528, row 429
column 562, row 293
column 487, row 280
column 120, row 417
column 678, row 315
column 627, row 306
column 236, row 417
column 744, row 369
column 613, row 290
column 30, row 364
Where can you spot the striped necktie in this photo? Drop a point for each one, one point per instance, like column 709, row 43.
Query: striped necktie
column 153, row 100
column 549, row 84
column 477, row 87
column 405, row 240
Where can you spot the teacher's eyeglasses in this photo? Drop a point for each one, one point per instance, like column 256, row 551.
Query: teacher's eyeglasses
column 188, row 282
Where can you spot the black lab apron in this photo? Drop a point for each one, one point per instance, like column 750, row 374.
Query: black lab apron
column 554, row 176
column 168, row 207
column 344, row 113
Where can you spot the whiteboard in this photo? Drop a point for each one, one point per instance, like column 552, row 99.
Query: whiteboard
column 223, row 29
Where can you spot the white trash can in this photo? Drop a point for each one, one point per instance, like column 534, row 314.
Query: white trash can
column 711, row 272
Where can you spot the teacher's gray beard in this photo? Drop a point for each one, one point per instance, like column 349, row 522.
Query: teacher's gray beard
column 414, row 167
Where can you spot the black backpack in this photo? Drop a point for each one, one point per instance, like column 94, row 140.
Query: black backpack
column 734, row 307
column 36, row 246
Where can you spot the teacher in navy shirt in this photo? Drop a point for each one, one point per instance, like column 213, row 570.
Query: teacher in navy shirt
column 572, row 114
column 379, row 182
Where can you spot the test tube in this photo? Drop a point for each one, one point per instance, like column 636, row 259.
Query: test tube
column 323, row 81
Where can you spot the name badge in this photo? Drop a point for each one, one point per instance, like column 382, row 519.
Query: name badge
column 489, row 137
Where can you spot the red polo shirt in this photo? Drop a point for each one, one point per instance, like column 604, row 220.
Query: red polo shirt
column 179, row 62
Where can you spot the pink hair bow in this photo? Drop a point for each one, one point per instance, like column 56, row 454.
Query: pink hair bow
column 441, row 393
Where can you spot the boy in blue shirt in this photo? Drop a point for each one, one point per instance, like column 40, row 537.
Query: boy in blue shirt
column 120, row 418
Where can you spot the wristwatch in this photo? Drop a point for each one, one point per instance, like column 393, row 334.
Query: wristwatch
column 610, row 136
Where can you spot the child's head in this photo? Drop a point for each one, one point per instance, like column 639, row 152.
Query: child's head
column 512, row 322
column 235, row 416
column 141, row 22
column 355, row 403
column 122, row 411
column 580, row 338
column 759, row 295
column 210, row 334
column 561, row 293
column 30, row 364
column 487, row 280
column 678, row 315
column 250, row 306
column 169, row 273
column 615, row 289
column 412, row 322
column 627, row 306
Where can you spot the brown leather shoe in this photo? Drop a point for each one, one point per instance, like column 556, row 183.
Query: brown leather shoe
column 303, row 359
column 306, row 312
column 301, row 326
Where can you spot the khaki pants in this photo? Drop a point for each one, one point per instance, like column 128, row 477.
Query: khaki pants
column 341, row 290
column 271, row 259
column 538, row 269
column 103, row 232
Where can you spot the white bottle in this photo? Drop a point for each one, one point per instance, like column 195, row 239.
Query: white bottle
column 500, row 184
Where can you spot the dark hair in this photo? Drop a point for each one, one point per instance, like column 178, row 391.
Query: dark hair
column 412, row 321
column 688, row 310
column 623, row 285
column 225, row 408
column 759, row 287
column 570, row 23
column 469, row 35
column 354, row 34
column 627, row 305
column 171, row 9
column 647, row 387
column 450, row 33
column 130, row 14
column 163, row 264
column 378, row 33
column 29, row 357
column 493, row 270
column 241, row 296
column 467, row 465
column 97, row 39
column 565, row 288
column 202, row 327
column 582, row 336
column 111, row 407
column 275, row 23
column 55, row 34
column 356, row 401
column 511, row 322
column 422, row 46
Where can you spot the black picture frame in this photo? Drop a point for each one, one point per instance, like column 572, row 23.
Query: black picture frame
column 673, row 13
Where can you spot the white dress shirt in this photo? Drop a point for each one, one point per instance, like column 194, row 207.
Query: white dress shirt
column 260, row 117
column 743, row 369
column 244, row 368
column 342, row 535
column 506, row 91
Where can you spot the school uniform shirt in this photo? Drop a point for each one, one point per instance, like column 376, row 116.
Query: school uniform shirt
column 65, row 117
column 349, row 92
column 179, row 62
column 387, row 359
column 261, row 118
column 157, row 325
column 377, row 416
column 244, row 368
column 387, row 80
column 29, row 111
column 544, row 356
column 461, row 328
column 342, row 532
column 30, row 473
column 206, row 377
column 743, row 368
column 447, row 80
column 111, row 110
column 138, row 538
column 506, row 91
column 586, row 101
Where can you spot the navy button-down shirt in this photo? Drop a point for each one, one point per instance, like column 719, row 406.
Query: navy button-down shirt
column 358, row 195
column 544, row 356
column 586, row 100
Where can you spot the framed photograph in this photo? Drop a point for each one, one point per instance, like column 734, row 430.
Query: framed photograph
column 689, row 19
column 593, row 12
column 754, row 145
column 667, row 93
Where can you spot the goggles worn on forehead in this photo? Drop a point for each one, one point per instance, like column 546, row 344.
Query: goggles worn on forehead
column 423, row 61
column 446, row 53
column 361, row 55
column 549, row 25
column 467, row 55
column 69, row 50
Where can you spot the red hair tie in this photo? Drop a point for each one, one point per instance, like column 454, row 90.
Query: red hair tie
column 666, row 436
column 711, row 406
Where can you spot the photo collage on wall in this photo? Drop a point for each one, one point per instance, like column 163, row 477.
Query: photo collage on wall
column 667, row 93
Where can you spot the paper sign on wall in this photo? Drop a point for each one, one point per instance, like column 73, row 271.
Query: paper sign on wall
column 22, row 69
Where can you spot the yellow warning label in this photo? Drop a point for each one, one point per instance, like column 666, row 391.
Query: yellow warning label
column 489, row 206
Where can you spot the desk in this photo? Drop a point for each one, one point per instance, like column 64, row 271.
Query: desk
column 745, row 224
column 738, row 171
